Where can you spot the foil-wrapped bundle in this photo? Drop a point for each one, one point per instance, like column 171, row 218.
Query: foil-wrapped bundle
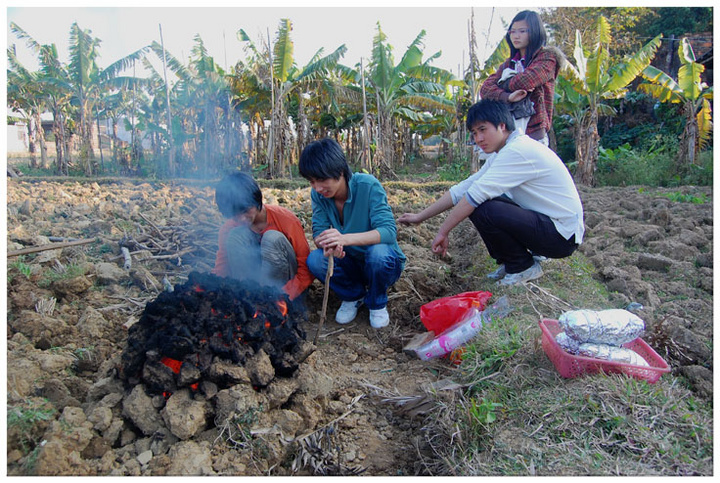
column 611, row 353
column 613, row 326
column 567, row 343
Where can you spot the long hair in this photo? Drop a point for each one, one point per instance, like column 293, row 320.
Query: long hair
column 538, row 36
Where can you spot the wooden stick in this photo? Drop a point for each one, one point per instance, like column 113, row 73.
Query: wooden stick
column 128, row 259
column 49, row 246
column 331, row 266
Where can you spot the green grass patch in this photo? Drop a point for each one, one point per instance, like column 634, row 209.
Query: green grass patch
column 71, row 271
column 24, row 418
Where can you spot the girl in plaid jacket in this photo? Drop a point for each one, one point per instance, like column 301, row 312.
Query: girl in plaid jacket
column 533, row 68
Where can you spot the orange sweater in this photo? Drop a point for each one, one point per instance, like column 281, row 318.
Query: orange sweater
column 282, row 220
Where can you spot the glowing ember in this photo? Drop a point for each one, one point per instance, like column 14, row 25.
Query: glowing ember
column 172, row 364
column 283, row 307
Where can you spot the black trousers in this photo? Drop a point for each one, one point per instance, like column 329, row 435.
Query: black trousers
column 513, row 234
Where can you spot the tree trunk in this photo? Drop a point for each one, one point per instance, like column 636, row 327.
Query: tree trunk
column 302, row 128
column 99, row 138
column 41, row 141
column 587, row 143
column 32, row 145
column 688, row 138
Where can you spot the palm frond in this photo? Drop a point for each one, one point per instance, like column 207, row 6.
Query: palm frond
column 705, row 124
column 579, row 55
column 320, row 66
column 174, row 64
column 381, row 61
column 283, row 51
column 685, row 52
column 635, row 65
column 689, row 79
column 661, row 86
column 23, row 35
column 501, row 52
column 596, row 69
column 603, row 31
column 118, row 66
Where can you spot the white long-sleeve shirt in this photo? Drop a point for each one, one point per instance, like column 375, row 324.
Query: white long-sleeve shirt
column 534, row 177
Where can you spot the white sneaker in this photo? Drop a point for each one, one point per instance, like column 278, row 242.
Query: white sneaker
column 497, row 274
column 379, row 318
column 347, row 311
column 535, row 271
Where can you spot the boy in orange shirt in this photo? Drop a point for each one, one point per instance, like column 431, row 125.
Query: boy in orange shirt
column 265, row 243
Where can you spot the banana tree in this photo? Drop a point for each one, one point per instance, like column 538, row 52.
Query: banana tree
column 48, row 90
column 286, row 81
column 408, row 91
column 593, row 79
column 694, row 96
column 25, row 97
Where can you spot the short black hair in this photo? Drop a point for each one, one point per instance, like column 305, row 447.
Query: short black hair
column 537, row 37
column 323, row 159
column 236, row 193
column 494, row 112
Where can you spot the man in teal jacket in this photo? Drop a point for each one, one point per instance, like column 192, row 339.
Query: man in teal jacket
column 352, row 221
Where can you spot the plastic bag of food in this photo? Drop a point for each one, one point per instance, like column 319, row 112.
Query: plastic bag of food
column 440, row 314
column 613, row 326
column 453, row 337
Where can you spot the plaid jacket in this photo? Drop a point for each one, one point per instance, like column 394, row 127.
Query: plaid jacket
column 539, row 77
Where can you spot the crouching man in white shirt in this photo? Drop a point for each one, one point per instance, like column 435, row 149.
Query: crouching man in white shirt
column 523, row 201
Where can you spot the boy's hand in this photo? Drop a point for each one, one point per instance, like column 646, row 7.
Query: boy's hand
column 409, row 219
column 330, row 238
column 337, row 252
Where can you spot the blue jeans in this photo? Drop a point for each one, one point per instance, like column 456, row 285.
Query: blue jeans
column 355, row 278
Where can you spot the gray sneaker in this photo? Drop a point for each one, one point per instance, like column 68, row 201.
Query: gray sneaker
column 497, row 274
column 535, row 271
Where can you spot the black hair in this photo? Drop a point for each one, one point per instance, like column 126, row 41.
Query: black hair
column 236, row 193
column 494, row 112
column 323, row 159
column 537, row 35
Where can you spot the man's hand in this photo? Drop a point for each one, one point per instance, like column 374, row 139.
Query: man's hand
column 409, row 219
column 440, row 244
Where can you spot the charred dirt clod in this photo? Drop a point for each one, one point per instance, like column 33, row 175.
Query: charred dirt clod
column 186, row 336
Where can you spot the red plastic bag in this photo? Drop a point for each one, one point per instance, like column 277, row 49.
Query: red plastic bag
column 440, row 314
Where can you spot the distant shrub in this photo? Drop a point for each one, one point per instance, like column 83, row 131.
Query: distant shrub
column 653, row 164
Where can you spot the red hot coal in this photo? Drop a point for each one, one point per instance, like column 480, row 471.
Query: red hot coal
column 205, row 320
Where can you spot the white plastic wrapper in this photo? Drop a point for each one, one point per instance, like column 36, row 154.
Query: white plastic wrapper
column 613, row 326
column 567, row 343
column 611, row 353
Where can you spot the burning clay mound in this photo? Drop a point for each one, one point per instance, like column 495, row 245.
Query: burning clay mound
column 206, row 330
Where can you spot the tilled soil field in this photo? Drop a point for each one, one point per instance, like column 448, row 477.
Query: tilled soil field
column 357, row 402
